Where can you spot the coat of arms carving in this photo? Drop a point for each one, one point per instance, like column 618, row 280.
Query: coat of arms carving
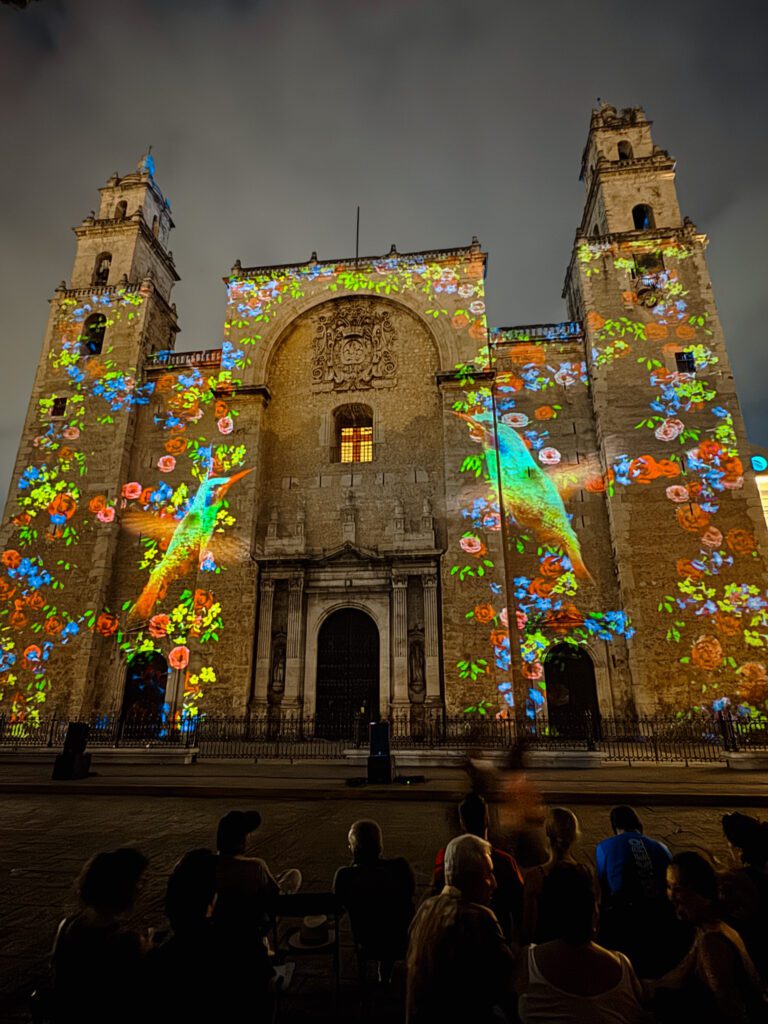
column 354, row 348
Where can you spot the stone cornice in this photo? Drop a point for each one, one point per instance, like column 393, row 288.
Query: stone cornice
column 430, row 255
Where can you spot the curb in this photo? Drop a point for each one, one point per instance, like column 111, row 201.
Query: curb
column 396, row 792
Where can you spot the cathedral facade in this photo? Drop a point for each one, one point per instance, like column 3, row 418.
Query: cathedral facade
column 368, row 501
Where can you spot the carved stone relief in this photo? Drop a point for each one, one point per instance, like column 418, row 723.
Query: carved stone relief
column 354, row 348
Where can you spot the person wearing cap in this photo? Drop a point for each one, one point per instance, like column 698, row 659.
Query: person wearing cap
column 246, row 889
column 459, row 965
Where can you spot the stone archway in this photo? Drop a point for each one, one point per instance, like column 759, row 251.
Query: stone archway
column 347, row 684
column 571, row 687
column 146, row 684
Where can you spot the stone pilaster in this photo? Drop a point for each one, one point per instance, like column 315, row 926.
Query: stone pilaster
column 399, row 638
column 294, row 653
column 264, row 644
column 431, row 639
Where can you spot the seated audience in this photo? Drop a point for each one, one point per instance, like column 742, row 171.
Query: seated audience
column 570, row 978
column 96, row 954
column 246, row 889
column 716, row 980
column 232, row 981
column 377, row 893
column 635, row 914
column 459, row 965
column 507, row 902
column 744, row 889
column 562, row 831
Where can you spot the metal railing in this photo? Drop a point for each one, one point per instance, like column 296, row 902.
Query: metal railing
column 170, row 360
column 293, row 735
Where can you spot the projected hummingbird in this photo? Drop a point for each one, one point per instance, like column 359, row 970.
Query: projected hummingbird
column 530, row 496
column 189, row 542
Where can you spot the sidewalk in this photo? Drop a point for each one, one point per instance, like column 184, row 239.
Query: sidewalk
column 706, row 786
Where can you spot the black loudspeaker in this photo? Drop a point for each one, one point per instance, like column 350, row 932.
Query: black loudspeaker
column 73, row 763
column 381, row 769
column 379, row 738
column 76, row 738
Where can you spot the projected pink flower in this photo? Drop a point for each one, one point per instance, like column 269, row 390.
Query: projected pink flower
column 669, row 430
column 105, row 515
column 677, row 493
column 712, row 537
column 225, row 425
column 166, row 463
column 179, row 657
column 549, row 456
column 131, row 491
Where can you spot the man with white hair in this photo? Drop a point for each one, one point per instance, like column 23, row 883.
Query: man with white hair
column 460, row 967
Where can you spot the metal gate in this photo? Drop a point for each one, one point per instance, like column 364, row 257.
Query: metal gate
column 347, row 671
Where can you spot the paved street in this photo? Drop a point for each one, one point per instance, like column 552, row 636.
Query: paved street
column 46, row 838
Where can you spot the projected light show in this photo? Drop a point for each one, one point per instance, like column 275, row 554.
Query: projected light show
column 527, row 522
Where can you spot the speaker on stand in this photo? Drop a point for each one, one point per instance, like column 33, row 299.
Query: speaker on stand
column 381, row 763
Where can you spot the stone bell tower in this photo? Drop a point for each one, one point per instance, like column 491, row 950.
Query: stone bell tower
column 687, row 535
column 63, row 510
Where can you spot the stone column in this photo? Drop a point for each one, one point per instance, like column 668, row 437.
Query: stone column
column 431, row 638
column 294, row 654
column 264, row 644
column 399, row 638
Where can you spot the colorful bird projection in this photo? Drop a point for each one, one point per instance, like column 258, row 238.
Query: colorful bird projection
column 190, row 540
column 530, row 496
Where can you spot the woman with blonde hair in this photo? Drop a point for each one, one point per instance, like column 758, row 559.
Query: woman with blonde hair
column 562, row 832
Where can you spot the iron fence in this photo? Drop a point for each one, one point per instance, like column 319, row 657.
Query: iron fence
column 293, row 735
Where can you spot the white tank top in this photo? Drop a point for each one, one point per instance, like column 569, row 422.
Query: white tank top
column 542, row 1003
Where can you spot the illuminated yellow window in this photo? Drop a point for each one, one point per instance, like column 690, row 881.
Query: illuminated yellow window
column 356, row 444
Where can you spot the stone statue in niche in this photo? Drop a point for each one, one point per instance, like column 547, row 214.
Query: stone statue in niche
column 417, row 684
column 354, row 348
column 277, row 676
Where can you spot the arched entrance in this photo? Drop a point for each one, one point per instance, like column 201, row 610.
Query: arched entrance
column 145, row 685
column 347, row 672
column 571, row 688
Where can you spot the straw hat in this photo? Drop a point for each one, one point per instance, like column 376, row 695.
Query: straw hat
column 313, row 934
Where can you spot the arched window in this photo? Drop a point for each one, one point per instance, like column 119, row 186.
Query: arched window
column 120, row 210
column 101, row 268
column 595, row 231
column 92, row 338
column 155, row 226
column 353, row 433
column 642, row 217
column 625, row 150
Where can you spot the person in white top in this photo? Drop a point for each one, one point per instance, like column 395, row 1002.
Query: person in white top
column 572, row 980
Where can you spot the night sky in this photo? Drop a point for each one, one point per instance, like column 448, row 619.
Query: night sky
column 271, row 121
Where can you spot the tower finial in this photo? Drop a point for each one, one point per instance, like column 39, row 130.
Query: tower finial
column 146, row 164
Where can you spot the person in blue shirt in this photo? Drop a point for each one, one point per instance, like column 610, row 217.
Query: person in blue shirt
column 629, row 864
column 635, row 915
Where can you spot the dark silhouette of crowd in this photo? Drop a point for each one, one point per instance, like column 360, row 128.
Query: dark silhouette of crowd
column 506, row 933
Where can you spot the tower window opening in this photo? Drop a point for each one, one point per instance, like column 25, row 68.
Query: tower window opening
column 354, row 434
column 101, row 268
column 685, row 362
column 625, row 150
column 92, row 338
column 642, row 217
column 121, row 209
column 59, row 406
column 595, row 231
column 155, row 226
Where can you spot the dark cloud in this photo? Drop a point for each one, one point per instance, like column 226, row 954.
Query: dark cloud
column 272, row 120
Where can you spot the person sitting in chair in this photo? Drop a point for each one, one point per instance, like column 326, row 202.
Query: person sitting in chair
column 377, row 893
